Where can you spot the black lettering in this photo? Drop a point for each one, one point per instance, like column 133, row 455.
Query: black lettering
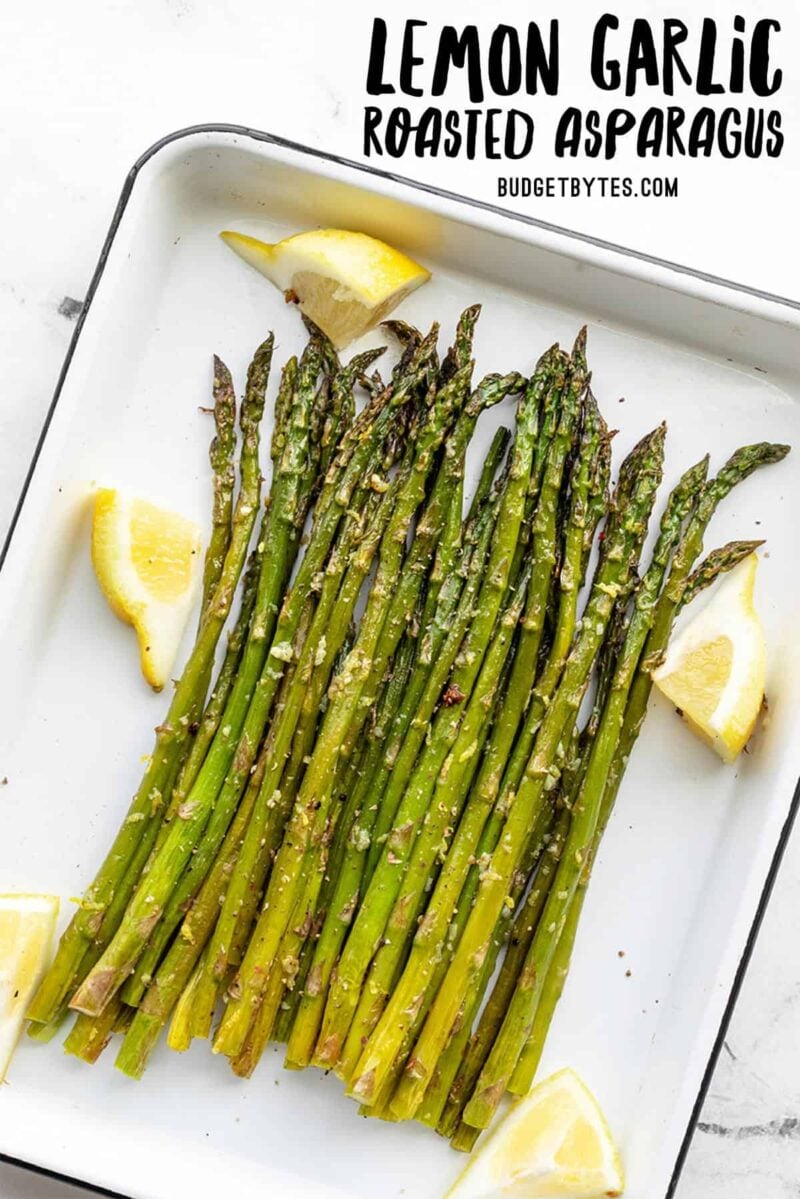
column 458, row 51
column 674, row 141
column 429, row 133
column 408, row 60
column 541, row 64
column 730, row 143
column 620, row 121
column 754, row 132
column 775, row 142
column 675, row 34
column 398, row 128
column 515, row 119
column 377, row 57
column 760, row 81
column 492, row 139
column 452, row 143
column 651, row 133
column 473, row 115
column 705, row 63
column 505, row 61
column 594, row 137
column 701, row 133
column 372, row 119
column 641, row 57
column 736, row 84
column 606, row 75
column 568, row 133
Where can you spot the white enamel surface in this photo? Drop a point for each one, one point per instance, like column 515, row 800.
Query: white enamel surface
column 686, row 856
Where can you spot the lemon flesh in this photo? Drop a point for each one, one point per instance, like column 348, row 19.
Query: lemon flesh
column 714, row 671
column 345, row 282
column 148, row 564
column 554, row 1142
column 27, row 923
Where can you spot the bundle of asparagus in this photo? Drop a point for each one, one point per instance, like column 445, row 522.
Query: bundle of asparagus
column 389, row 780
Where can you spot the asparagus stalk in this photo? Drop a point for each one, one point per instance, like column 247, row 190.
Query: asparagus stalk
column 717, row 562
column 739, row 466
column 613, row 575
column 223, row 471
column 354, row 825
column 176, row 969
column 347, row 569
column 87, row 1038
column 353, row 880
column 381, row 1045
column 306, row 831
column 410, row 993
column 588, row 488
column 461, row 1061
column 457, row 1072
column 354, row 774
column 448, row 483
column 397, row 617
column 363, row 450
column 181, row 966
column 504, row 1066
column 370, row 921
column 514, row 1029
column 234, row 746
column 442, row 634
column 145, row 807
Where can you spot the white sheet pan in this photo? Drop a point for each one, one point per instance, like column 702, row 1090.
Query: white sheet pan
column 688, row 861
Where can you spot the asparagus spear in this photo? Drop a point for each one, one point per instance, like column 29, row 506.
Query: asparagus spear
column 347, row 569
column 171, row 737
column 504, row 1066
column 398, row 615
column 224, row 476
column 305, row 832
column 513, row 1032
column 346, row 855
column 234, row 746
column 442, row 634
column 357, row 873
column 381, row 1045
column 87, row 1037
column 455, row 1078
column 296, row 476
column 363, row 452
column 371, row 919
column 739, row 466
column 249, row 707
column 680, row 587
column 175, row 970
column 410, row 993
column 345, row 876
column 641, row 474
column 587, row 503
column 717, row 562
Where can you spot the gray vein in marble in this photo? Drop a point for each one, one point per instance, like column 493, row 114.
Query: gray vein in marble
column 788, row 1128
column 70, row 308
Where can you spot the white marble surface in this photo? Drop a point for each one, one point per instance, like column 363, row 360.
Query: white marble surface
column 85, row 88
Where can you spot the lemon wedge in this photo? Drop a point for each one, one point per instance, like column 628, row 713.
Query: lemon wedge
column 345, row 282
column 27, row 923
column 714, row 671
column 148, row 564
column 553, row 1142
